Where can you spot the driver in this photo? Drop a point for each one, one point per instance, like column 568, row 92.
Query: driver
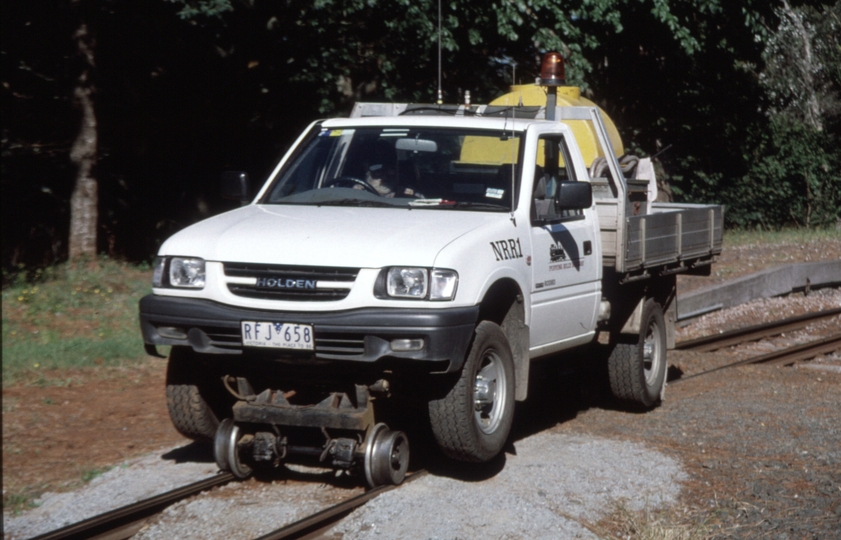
column 383, row 178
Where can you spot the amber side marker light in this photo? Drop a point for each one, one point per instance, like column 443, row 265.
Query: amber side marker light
column 552, row 70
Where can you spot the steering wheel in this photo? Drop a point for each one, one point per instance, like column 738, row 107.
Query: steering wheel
column 350, row 181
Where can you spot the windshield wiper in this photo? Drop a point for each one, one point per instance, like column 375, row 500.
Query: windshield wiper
column 444, row 203
column 355, row 202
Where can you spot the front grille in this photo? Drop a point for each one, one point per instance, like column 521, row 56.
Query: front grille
column 223, row 338
column 339, row 345
column 302, row 281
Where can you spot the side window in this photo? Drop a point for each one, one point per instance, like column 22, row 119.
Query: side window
column 551, row 170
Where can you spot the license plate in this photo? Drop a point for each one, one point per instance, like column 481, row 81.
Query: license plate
column 277, row 335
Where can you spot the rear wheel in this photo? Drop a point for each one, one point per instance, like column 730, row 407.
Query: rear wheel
column 194, row 397
column 472, row 421
column 637, row 369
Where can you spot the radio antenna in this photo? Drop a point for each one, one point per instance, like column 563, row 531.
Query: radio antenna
column 440, row 93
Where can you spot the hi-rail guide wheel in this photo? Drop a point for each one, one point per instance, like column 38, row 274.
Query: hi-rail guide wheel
column 227, row 452
column 386, row 456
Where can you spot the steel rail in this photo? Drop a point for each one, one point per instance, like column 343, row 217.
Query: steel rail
column 754, row 333
column 124, row 522
column 786, row 357
column 316, row 523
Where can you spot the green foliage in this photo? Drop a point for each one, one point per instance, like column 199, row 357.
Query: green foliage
column 794, row 174
column 208, row 8
column 72, row 316
column 387, row 49
column 795, row 179
column 187, row 88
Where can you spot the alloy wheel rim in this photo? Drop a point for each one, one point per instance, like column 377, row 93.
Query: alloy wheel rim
column 489, row 391
column 652, row 355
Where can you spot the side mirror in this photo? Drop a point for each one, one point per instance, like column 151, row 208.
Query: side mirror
column 574, row 195
column 236, row 186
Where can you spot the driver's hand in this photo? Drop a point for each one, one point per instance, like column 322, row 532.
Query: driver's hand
column 412, row 193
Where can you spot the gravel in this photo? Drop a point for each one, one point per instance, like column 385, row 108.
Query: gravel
column 760, row 311
column 125, row 484
column 239, row 511
column 530, row 497
column 553, row 487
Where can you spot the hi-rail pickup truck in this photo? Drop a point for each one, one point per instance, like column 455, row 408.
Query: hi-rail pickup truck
column 427, row 253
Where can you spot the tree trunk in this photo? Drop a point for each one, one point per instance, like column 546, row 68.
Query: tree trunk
column 806, row 66
column 84, row 200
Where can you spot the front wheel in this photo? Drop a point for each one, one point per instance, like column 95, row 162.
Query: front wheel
column 637, row 370
column 472, row 421
column 195, row 399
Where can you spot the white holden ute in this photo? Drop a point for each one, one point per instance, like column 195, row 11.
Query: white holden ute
column 426, row 255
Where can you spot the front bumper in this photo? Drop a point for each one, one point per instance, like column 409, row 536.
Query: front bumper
column 361, row 335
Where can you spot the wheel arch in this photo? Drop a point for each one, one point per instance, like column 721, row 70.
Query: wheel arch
column 504, row 304
column 627, row 303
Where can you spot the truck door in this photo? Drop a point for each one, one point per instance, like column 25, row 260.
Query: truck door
column 566, row 270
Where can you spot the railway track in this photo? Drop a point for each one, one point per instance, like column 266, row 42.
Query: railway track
column 788, row 356
column 126, row 521
column 755, row 333
column 312, row 526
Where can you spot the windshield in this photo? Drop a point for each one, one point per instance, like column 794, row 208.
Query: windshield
column 402, row 166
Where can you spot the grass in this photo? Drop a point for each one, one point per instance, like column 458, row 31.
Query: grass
column 72, row 316
column 744, row 237
column 648, row 524
column 90, row 474
column 17, row 502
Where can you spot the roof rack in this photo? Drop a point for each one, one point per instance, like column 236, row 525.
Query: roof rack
column 362, row 110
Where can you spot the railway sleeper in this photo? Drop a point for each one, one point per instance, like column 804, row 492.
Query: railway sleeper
column 339, row 430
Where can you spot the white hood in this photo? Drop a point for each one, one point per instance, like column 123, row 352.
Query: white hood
column 326, row 235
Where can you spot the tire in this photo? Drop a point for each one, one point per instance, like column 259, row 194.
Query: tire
column 191, row 397
column 637, row 370
column 465, row 428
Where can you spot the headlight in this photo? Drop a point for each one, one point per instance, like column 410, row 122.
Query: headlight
column 417, row 283
column 443, row 284
column 158, row 274
column 187, row 273
column 407, row 282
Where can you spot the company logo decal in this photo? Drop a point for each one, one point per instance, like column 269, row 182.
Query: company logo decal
column 507, row 249
column 281, row 283
column 566, row 265
column 556, row 253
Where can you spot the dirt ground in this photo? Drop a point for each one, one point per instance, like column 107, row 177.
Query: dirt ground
column 79, row 423
column 69, row 426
